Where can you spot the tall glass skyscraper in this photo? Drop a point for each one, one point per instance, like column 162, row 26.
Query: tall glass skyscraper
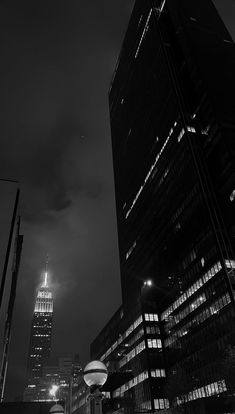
column 41, row 329
column 172, row 120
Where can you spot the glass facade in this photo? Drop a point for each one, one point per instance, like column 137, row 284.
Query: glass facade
column 172, row 123
column 126, row 345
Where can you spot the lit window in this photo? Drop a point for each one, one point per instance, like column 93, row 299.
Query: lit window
column 232, row 196
column 151, row 317
column 144, row 33
column 130, row 250
column 181, row 134
column 154, row 343
column 158, row 373
column 191, row 129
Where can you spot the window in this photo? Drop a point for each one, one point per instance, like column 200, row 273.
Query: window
column 154, row 343
column 232, row 196
column 158, row 373
column 161, row 403
column 151, row 317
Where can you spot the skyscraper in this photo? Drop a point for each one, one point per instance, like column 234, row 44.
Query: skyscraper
column 41, row 329
column 172, row 121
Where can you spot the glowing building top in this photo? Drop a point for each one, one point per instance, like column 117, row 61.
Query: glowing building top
column 41, row 330
column 44, row 301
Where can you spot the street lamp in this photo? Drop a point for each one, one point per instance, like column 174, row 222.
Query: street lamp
column 95, row 375
column 53, row 391
column 56, row 409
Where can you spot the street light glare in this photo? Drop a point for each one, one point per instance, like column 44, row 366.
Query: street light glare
column 148, row 282
column 53, row 390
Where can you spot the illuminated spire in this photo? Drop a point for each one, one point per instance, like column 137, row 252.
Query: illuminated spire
column 45, row 280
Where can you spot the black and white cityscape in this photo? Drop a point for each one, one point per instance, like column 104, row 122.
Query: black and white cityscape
column 117, row 183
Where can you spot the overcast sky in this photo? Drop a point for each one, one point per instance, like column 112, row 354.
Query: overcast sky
column 57, row 60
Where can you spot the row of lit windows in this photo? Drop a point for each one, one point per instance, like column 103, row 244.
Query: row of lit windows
column 146, row 405
column 158, row 373
column 154, row 343
column 41, row 335
column 143, row 33
column 153, row 330
column 43, row 306
column 122, row 337
column 151, row 170
column 214, row 388
column 131, row 249
column 230, row 263
column 198, row 319
column 44, row 294
column 139, row 348
column 161, row 403
column 132, row 383
column 186, row 311
column 151, row 317
column 192, row 289
column 135, row 338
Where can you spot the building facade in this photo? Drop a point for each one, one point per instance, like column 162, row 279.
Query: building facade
column 130, row 345
column 40, row 337
column 172, row 122
column 61, row 372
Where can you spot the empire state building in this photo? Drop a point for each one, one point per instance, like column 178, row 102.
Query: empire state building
column 40, row 338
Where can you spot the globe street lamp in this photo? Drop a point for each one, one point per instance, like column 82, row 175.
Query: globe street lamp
column 56, row 409
column 95, row 375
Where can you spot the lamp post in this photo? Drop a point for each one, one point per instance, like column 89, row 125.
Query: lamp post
column 95, row 375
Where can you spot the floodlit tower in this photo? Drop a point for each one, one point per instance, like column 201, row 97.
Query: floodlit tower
column 40, row 338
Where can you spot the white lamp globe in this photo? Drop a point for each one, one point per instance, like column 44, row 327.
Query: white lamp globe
column 95, row 374
column 57, row 409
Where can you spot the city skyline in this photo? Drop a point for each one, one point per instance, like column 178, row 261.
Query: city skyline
column 61, row 153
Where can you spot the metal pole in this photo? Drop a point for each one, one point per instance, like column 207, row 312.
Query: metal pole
column 11, row 303
column 4, row 273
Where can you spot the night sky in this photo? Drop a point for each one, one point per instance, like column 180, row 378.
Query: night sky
column 57, row 61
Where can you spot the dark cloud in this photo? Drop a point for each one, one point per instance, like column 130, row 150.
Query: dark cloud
column 57, row 60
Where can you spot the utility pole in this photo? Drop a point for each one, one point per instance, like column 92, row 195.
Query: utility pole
column 4, row 273
column 11, row 303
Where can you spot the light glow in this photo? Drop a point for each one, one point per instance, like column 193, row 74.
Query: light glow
column 45, row 282
column 144, row 33
column 53, row 390
column 148, row 282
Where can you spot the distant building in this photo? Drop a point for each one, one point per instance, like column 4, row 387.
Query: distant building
column 60, row 371
column 172, row 122
column 40, row 337
column 130, row 345
column 80, row 403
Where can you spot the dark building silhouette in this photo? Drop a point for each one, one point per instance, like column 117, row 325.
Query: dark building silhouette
column 172, row 121
column 28, row 407
column 40, row 337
